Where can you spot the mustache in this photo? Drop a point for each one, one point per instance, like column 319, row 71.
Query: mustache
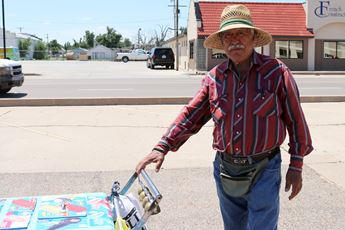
column 236, row 46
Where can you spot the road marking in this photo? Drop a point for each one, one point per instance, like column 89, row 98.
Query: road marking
column 321, row 88
column 105, row 89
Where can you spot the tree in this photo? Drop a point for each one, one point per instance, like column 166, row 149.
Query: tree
column 89, row 38
column 110, row 39
column 67, row 46
column 83, row 44
column 159, row 39
column 54, row 46
column 24, row 45
column 75, row 44
column 183, row 30
column 127, row 42
column 40, row 52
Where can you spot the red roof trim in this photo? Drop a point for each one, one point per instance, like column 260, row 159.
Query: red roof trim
column 271, row 17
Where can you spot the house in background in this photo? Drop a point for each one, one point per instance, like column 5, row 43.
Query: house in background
column 33, row 39
column 182, row 50
column 77, row 54
column 306, row 36
column 11, row 45
column 101, row 52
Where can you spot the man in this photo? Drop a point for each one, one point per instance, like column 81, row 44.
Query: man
column 252, row 99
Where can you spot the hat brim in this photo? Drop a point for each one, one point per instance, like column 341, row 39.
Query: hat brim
column 262, row 37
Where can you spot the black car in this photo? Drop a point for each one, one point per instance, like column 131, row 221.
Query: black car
column 161, row 56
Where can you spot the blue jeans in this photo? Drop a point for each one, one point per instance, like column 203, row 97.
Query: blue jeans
column 257, row 210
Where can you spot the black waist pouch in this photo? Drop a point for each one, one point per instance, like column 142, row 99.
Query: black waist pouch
column 237, row 180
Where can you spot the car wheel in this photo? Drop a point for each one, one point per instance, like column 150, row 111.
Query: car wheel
column 3, row 91
column 125, row 59
column 172, row 66
column 167, row 67
column 152, row 66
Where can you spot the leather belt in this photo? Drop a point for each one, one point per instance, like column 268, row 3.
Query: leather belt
column 247, row 160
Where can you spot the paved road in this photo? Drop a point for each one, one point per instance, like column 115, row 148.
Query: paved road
column 75, row 79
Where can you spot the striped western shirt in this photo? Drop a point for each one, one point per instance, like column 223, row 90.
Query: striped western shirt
column 251, row 114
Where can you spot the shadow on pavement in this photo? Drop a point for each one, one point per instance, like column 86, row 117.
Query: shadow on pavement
column 13, row 95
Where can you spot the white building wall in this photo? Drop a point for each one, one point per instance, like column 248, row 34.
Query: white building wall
column 266, row 50
column 323, row 12
column 192, row 29
column 311, row 54
column 11, row 39
column 331, row 31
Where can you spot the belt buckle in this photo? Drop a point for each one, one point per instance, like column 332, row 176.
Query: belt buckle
column 240, row 161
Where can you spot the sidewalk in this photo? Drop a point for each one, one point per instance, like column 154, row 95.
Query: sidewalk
column 84, row 145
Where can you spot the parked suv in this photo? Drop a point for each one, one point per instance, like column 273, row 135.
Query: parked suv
column 10, row 75
column 162, row 57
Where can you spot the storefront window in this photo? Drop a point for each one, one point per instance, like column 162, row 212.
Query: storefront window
column 334, row 50
column 341, row 50
column 329, row 49
column 191, row 50
column 282, row 49
column 289, row 49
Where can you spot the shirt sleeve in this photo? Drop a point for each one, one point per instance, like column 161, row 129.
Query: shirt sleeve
column 300, row 143
column 190, row 120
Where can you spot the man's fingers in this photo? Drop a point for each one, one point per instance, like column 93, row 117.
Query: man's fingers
column 140, row 167
column 294, row 180
column 295, row 190
column 153, row 157
column 159, row 165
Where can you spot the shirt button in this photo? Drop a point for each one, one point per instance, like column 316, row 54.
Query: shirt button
column 237, row 149
column 237, row 132
column 238, row 115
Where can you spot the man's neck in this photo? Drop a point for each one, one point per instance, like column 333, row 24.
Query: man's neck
column 243, row 67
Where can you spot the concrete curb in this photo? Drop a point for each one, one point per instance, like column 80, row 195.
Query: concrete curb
column 93, row 101
column 131, row 101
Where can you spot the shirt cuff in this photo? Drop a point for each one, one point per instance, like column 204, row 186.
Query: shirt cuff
column 296, row 163
column 161, row 148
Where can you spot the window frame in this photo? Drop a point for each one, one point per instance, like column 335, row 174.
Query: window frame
column 191, row 49
column 289, row 49
column 336, row 49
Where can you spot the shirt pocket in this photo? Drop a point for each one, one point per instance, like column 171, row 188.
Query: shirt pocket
column 265, row 104
column 217, row 109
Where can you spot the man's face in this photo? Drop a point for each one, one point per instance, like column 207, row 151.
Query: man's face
column 238, row 44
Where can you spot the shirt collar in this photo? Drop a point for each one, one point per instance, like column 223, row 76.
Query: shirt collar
column 256, row 61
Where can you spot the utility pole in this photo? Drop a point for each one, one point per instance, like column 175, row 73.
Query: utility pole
column 139, row 37
column 48, row 44
column 176, row 33
column 176, row 13
column 3, row 27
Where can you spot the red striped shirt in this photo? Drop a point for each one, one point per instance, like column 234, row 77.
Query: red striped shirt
column 251, row 114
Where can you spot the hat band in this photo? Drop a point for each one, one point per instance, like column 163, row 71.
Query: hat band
column 235, row 21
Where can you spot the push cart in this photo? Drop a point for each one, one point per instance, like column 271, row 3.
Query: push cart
column 122, row 209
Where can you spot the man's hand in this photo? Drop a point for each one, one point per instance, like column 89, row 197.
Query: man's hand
column 294, row 179
column 154, row 157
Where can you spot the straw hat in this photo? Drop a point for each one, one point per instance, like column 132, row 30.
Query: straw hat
column 234, row 17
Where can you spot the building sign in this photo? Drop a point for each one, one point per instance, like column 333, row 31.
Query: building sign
column 327, row 9
column 11, row 53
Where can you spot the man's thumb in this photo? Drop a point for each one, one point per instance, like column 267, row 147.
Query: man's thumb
column 287, row 186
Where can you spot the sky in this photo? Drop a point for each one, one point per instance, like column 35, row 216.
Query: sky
column 65, row 20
